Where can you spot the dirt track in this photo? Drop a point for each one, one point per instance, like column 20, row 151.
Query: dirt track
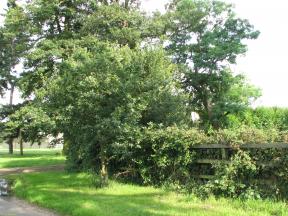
column 8, row 171
column 10, row 206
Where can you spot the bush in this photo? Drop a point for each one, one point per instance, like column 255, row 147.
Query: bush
column 234, row 179
column 248, row 135
column 253, row 173
column 165, row 154
column 261, row 118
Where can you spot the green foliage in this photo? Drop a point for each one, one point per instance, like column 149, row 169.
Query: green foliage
column 57, row 27
column 249, row 174
column 7, row 131
column 34, row 123
column 164, row 154
column 102, row 92
column 90, row 67
column 229, row 95
column 245, row 135
column 234, row 179
column 205, row 38
column 208, row 33
column 100, row 76
column 14, row 42
column 119, row 25
column 261, row 117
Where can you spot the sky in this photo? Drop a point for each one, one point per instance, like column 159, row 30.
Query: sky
column 265, row 63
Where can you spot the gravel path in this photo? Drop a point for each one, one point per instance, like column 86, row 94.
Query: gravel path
column 10, row 206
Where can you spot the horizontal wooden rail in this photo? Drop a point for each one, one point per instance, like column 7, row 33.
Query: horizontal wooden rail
column 224, row 157
column 211, row 161
column 215, row 161
column 209, row 177
column 244, row 146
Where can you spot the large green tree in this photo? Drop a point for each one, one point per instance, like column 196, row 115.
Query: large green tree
column 90, row 68
column 205, row 38
column 114, row 21
column 14, row 42
column 101, row 94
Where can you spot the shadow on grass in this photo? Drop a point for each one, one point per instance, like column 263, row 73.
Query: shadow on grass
column 71, row 195
column 75, row 203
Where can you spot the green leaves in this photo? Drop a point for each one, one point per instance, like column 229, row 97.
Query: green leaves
column 13, row 45
column 235, row 179
column 164, row 154
column 101, row 91
column 205, row 38
column 98, row 73
column 32, row 121
column 208, row 34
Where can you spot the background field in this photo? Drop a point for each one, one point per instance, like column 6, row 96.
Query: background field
column 31, row 157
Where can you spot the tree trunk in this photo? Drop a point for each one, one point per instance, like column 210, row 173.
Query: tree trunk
column 21, row 142
column 104, row 168
column 10, row 144
column 10, row 140
column 11, row 94
column 209, row 112
column 207, row 107
column 126, row 4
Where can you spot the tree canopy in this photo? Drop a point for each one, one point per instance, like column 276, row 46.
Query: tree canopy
column 205, row 38
column 100, row 71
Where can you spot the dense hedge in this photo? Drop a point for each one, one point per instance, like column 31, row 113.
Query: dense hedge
column 261, row 118
column 248, row 135
column 165, row 156
column 250, row 174
column 158, row 155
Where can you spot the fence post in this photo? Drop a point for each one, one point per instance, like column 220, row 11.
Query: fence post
column 224, row 154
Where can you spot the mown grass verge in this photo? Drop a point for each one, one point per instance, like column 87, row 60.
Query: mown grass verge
column 31, row 157
column 72, row 194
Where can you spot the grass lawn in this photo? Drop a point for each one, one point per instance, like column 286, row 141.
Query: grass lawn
column 31, row 157
column 71, row 194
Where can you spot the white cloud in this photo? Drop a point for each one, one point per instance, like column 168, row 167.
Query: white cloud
column 265, row 62
column 153, row 5
column 2, row 6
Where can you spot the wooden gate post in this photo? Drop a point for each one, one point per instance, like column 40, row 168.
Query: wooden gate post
column 224, row 153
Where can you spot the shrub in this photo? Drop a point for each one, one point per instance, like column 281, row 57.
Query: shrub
column 261, row 118
column 248, row 135
column 165, row 154
column 253, row 173
column 234, row 179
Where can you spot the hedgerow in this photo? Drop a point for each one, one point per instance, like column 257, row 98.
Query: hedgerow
column 165, row 156
column 261, row 118
column 249, row 174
